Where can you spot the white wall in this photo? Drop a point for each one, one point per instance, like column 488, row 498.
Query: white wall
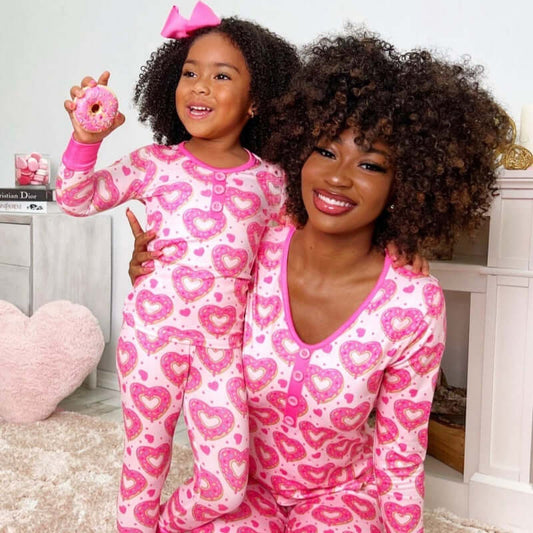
column 48, row 45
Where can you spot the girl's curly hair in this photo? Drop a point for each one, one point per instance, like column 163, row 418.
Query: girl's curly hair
column 272, row 63
column 443, row 129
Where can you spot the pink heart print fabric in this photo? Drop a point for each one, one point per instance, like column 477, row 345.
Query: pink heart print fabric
column 180, row 343
column 316, row 463
column 209, row 223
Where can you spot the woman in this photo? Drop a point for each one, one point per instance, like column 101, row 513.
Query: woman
column 378, row 147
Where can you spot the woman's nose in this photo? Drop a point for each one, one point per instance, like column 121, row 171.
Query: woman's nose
column 340, row 177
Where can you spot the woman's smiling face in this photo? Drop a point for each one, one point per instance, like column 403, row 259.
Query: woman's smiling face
column 345, row 187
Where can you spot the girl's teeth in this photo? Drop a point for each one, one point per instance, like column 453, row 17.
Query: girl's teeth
column 333, row 201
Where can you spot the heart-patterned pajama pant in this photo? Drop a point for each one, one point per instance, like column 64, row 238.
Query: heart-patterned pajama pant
column 208, row 385
column 339, row 512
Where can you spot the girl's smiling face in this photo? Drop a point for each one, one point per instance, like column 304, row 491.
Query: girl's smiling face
column 345, row 187
column 213, row 94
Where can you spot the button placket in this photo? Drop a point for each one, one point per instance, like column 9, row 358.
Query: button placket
column 218, row 192
column 295, row 386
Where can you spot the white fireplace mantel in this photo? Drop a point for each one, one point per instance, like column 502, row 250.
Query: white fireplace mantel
column 498, row 472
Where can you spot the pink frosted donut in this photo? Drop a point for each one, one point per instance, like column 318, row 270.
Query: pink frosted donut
column 96, row 109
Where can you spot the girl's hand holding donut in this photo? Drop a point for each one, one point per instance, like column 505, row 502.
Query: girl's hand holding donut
column 93, row 110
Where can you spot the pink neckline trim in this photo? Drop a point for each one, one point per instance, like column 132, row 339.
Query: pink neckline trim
column 250, row 163
column 349, row 322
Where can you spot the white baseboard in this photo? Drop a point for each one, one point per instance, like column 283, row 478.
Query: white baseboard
column 502, row 502
column 107, row 380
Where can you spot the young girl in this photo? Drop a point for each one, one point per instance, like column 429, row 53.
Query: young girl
column 378, row 147
column 208, row 96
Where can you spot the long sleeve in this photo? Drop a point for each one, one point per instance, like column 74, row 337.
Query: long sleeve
column 402, row 416
column 82, row 191
column 273, row 185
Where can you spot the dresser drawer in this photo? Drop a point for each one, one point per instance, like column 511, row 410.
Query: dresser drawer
column 15, row 244
column 15, row 286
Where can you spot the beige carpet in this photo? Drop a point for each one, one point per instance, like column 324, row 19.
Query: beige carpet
column 61, row 475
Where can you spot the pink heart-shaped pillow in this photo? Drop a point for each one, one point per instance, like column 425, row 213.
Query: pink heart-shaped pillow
column 44, row 358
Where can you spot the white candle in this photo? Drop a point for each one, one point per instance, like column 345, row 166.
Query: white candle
column 526, row 127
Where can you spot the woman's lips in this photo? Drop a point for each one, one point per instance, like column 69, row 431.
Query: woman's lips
column 332, row 204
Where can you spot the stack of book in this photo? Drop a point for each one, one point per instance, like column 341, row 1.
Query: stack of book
column 25, row 199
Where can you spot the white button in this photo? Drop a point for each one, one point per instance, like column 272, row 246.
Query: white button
column 298, row 376
column 219, row 189
column 216, row 206
column 220, row 176
column 292, row 401
column 289, row 420
column 304, row 353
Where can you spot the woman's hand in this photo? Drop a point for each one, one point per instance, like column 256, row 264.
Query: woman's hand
column 80, row 134
column 419, row 264
column 141, row 256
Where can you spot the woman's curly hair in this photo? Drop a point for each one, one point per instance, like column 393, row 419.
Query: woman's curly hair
column 443, row 129
column 272, row 63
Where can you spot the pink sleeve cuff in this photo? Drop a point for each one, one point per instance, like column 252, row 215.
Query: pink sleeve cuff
column 79, row 156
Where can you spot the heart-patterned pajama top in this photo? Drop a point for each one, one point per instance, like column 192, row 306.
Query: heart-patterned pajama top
column 208, row 223
column 309, row 405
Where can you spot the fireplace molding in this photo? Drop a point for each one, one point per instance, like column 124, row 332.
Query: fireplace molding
column 498, row 472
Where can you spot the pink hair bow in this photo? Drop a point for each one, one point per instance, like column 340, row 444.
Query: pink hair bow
column 178, row 27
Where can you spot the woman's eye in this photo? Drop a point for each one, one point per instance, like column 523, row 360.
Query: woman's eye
column 324, row 153
column 373, row 167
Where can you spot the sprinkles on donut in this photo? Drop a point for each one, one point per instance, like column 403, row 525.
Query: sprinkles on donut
column 96, row 109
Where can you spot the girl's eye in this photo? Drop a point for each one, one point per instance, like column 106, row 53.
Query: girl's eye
column 187, row 74
column 373, row 167
column 323, row 152
column 222, row 77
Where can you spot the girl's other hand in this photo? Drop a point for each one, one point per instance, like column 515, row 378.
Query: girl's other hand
column 140, row 255
column 80, row 134
column 419, row 264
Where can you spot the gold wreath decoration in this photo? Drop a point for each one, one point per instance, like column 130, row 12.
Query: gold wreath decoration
column 517, row 158
column 514, row 156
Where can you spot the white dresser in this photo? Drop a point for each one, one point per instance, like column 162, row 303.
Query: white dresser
column 53, row 256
